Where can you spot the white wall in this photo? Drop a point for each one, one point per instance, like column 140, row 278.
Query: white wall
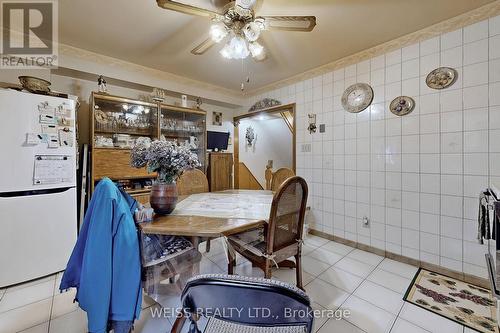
column 416, row 177
column 274, row 142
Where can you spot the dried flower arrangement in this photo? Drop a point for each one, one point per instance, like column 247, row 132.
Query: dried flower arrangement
column 164, row 157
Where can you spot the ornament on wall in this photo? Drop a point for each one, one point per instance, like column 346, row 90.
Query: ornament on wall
column 217, row 118
column 312, row 123
column 159, row 95
column 250, row 136
column 441, row 78
column 402, row 105
column 184, row 101
column 357, row 97
column 199, row 102
column 264, row 104
column 102, row 85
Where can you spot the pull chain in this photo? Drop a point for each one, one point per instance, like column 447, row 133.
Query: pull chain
column 244, row 69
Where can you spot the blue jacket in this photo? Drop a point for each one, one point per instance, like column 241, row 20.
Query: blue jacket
column 105, row 265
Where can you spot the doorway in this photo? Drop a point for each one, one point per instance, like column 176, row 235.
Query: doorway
column 263, row 139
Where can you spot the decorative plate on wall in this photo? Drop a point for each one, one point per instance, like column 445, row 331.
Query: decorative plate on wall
column 402, row 105
column 441, row 78
column 357, row 97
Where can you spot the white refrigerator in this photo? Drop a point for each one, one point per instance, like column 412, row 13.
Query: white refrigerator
column 37, row 185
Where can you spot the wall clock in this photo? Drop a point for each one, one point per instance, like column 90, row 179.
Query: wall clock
column 357, row 97
column 441, row 78
column 402, row 105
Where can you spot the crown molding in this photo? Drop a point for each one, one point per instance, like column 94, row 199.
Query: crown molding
column 457, row 22
column 84, row 60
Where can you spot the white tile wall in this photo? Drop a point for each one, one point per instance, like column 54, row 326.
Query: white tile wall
column 416, row 177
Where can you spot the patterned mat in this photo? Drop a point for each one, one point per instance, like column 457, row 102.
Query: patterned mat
column 461, row 302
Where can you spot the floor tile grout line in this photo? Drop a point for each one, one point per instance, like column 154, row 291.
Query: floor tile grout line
column 363, row 280
column 340, row 306
column 342, row 254
column 28, row 284
column 28, row 328
column 352, row 294
column 21, row 306
column 52, row 304
column 2, row 293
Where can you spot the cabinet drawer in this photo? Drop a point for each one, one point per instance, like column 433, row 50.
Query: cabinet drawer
column 115, row 164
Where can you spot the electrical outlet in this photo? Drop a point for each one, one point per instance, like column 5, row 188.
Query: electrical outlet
column 322, row 128
column 366, row 222
column 305, row 148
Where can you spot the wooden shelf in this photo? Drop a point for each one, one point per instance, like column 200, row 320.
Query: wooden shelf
column 149, row 176
column 139, row 191
column 173, row 136
column 124, row 131
column 112, row 148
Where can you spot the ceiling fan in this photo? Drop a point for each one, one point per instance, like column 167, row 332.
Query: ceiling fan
column 237, row 21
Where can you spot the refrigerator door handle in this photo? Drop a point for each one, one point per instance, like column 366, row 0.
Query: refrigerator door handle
column 34, row 192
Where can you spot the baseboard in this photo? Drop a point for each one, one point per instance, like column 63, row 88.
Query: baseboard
column 468, row 278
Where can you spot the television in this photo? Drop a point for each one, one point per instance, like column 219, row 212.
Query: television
column 217, row 140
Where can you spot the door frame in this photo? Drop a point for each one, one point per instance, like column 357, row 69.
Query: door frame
column 275, row 109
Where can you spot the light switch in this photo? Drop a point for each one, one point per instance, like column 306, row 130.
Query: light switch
column 305, row 148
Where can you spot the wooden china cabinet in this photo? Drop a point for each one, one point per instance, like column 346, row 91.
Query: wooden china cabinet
column 117, row 122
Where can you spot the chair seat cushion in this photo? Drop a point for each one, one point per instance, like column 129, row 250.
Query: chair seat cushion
column 252, row 240
column 220, row 326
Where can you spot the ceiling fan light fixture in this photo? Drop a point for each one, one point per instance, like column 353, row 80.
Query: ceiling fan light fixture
column 226, row 52
column 262, row 23
column 239, row 47
column 247, row 4
column 252, row 31
column 236, row 48
column 218, row 32
column 256, row 50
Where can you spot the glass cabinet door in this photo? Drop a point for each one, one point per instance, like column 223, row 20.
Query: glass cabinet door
column 186, row 128
column 119, row 122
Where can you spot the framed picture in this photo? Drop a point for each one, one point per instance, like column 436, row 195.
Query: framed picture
column 217, row 118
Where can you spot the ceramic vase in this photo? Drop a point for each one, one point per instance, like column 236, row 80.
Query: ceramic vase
column 163, row 198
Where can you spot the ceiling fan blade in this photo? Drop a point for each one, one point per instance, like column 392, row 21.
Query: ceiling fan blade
column 186, row 9
column 290, row 23
column 203, row 47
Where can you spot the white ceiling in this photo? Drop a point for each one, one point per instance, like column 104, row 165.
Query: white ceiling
column 140, row 32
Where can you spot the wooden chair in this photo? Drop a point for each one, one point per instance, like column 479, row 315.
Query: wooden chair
column 275, row 179
column 193, row 181
column 281, row 238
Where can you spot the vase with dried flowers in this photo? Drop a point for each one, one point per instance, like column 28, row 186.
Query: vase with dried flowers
column 168, row 160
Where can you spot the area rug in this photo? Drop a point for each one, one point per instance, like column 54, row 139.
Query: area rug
column 464, row 303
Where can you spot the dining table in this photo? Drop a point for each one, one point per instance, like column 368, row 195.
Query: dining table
column 199, row 217
column 213, row 215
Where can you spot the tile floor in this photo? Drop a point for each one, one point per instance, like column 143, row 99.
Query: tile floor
column 335, row 276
